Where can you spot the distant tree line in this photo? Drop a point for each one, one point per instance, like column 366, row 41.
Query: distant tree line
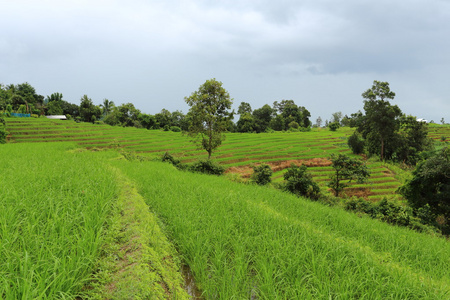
column 283, row 115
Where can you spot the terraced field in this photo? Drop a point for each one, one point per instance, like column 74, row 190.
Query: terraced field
column 238, row 153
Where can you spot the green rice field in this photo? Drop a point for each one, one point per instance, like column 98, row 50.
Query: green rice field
column 69, row 227
column 238, row 153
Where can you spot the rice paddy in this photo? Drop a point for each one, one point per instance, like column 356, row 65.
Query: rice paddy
column 238, row 152
column 60, row 209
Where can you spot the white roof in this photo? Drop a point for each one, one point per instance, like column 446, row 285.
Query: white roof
column 59, row 117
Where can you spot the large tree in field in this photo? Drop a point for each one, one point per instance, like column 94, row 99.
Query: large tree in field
column 210, row 106
column 346, row 169
column 381, row 121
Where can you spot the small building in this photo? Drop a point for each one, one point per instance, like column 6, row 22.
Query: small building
column 421, row 120
column 57, row 117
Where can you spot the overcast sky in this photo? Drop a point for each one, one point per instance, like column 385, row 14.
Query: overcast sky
column 323, row 54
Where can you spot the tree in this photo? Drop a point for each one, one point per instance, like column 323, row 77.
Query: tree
column 334, row 126
column 346, row 168
column 107, row 106
column 263, row 116
column 319, row 121
column 88, row 109
column 443, row 121
column 300, row 182
column 291, row 112
column 54, row 108
column 429, row 188
column 381, row 120
column 210, row 106
column 54, row 97
column 336, row 117
column 244, row 107
column 246, row 123
column 412, row 139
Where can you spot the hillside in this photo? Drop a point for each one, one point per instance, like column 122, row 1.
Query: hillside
column 238, row 152
column 67, row 214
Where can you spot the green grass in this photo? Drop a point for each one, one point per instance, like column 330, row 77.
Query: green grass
column 246, row 242
column 239, row 150
column 73, row 227
column 53, row 207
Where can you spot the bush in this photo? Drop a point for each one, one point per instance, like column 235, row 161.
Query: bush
column 356, row 143
column 3, row 134
column 300, row 182
column 166, row 128
column 207, row 167
column 334, row 126
column 175, row 128
column 262, row 174
column 167, row 157
column 34, row 116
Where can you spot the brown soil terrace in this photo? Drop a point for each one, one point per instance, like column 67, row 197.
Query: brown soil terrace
column 246, row 171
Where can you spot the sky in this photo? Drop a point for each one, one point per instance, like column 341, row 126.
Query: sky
column 323, row 54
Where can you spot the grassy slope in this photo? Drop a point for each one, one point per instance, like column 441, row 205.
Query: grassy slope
column 60, row 211
column 248, row 241
column 237, row 153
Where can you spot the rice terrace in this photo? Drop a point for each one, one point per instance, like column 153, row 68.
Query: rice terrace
column 94, row 211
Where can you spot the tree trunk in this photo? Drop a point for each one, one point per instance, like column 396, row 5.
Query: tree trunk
column 382, row 149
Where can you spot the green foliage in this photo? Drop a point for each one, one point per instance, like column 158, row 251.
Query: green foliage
column 3, row 134
column 356, row 143
column 244, row 108
column 334, row 126
column 380, row 123
column 246, row 123
column 348, row 169
column 299, row 182
column 207, row 167
column 175, row 129
column 430, row 186
column 289, row 112
column 209, row 110
column 390, row 212
column 88, row 109
column 293, row 125
column 262, row 174
column 167, row 157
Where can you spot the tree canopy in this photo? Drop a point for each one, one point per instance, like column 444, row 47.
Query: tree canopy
column 348, row 169
column 430, row 187
column 209, row 108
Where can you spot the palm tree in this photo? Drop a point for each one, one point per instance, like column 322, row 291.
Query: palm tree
column 107, row 106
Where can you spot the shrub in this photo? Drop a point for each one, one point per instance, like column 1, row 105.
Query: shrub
column 294, row 125
column 356, row 143
column 167, row 157
column 334, row 126
column 34, row 116
column 3, row 134
column 166, row 128
column 207, row 167
column 300, row 182
column 262, row 174
column 175, row 128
